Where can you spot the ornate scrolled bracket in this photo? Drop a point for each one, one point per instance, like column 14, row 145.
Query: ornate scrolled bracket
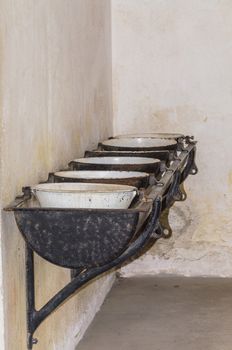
column 182, row 195
column 164, row 225
column 191, row 167
column 174, row 193
column 83, row 275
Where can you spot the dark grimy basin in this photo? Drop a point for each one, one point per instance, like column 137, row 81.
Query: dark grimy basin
column 148, row 165
column 132, row 178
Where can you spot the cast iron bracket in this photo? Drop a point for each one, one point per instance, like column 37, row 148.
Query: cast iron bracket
column 36, row 317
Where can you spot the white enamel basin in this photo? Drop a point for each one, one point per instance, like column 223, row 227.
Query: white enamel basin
column 117, row 160
column 84, row 195
column 139, row 142
column 151, row 135
column 101, row 174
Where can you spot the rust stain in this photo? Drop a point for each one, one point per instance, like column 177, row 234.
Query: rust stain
column 41, row 158
column 230, row 178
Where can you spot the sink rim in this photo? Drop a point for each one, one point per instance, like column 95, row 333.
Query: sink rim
column 101, row 174
column 76, row 187
column 121, row 160
column 138, row 142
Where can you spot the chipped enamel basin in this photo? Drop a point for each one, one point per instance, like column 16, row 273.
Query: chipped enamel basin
column 84, row 195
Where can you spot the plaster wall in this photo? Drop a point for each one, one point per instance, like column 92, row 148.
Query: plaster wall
column 55, row 102
column 172, row 73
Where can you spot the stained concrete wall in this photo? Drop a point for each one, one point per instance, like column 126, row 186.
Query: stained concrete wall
column 172, row 73
column 55, row 102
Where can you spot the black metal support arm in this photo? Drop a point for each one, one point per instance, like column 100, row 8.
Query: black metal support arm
column 190, row 168
column 35, row 317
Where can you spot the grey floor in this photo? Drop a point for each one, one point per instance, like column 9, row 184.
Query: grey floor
column 164, row 313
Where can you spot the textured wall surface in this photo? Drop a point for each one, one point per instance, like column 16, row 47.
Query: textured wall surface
column 172, row 72
column 55, row 102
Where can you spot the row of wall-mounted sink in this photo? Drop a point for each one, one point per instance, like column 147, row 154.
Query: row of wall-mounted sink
column 103, row 211
column 134, row 168
column 120, row 170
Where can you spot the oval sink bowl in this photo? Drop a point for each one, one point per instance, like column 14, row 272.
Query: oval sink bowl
column 162, row 135
column 137, row 144
column 148, row 165
column 84, row 195
column 132, row 178
column 75, row 238
column 164, row 155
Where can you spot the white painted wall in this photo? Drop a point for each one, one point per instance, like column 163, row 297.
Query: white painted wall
column 55, row 102
column 172, row 73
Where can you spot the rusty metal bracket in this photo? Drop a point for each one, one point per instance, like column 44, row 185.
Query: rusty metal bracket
column 164, row 221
